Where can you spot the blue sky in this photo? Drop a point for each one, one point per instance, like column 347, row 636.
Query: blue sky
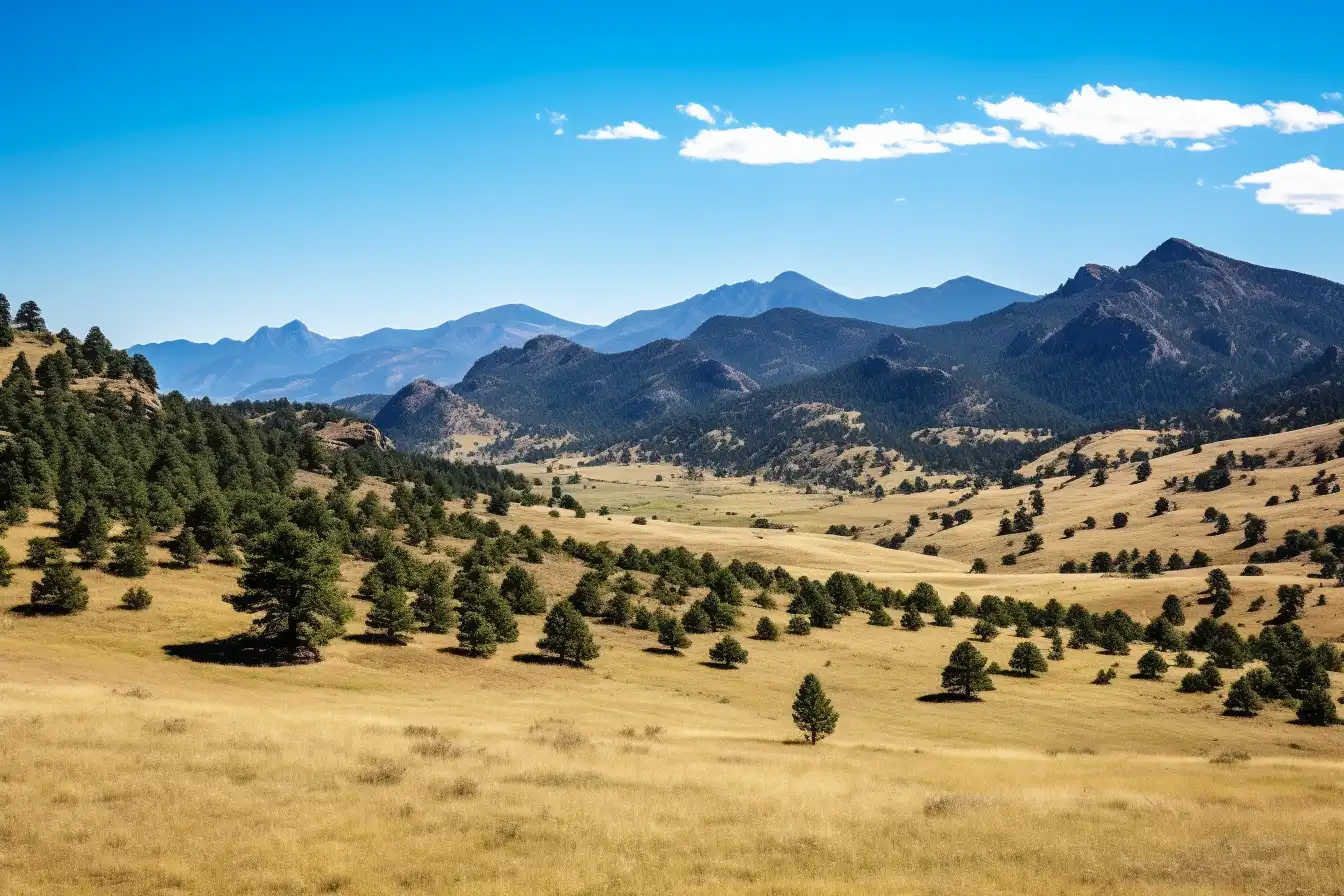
column 193, row 169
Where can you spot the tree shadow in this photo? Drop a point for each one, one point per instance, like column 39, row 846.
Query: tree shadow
column 944, row 697
column 37, row 610
column 710, row 664
column 462, row 652
column 540, row 659
column 663, row 651
column 371, row 638
column 240, row 650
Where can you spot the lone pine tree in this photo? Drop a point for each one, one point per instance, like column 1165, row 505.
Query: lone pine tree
column 566, row 634
column 812, row 710
column 965, row 674
column 728, row 652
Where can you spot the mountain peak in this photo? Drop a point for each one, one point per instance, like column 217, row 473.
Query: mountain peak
column 1176, row 250
column 1088, row 276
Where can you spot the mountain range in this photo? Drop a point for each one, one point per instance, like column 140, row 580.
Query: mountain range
column 1182, row 330
column 296, row 363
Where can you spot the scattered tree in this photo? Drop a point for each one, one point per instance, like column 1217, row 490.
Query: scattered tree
column 728, row 652
column 566, row 634
column 812, row 710
column 965, row 675
column 1027, row 660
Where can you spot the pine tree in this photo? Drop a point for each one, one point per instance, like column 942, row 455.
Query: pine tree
column 1242, row 699
column 1317, row 708
column 799, row 625
column 6, row 323
column 391, row 616
column 130, row 558
column 1056, row 648
column 728, row 652
column 136, row 598
column 766, row 630
column 434, row 606
column 672, row 634
column 619, row 610
column 522, row 592
column 812, row 710
column 880, row 617
column 185, row 550
column 985, row 630
column 566, row 634
column 92, row 535
column 965, row 675
column 1152, row 665
column 29, row 318
column 1172, row 610
column 290, row 578
column 1027, row 660
column 477, row 636
column 911, row 620
column 60, row 590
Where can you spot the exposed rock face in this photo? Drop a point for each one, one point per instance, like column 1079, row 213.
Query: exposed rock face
column 347, row 434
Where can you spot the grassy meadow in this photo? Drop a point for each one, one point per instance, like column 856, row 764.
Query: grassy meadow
column 131, row 762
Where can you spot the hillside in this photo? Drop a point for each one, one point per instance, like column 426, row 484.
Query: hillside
column 293, row 362
column 429, row 419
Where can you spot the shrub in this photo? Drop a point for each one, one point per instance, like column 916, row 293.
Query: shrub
column 60, row 590
column 985, row 630
column 978, row 565
column 1120, row 520
column 1317, row 708
column 1252, row 570
column 766, row 630
column 1105, row 676
column 1184, row 661
column 136, row 598
column 799, row 625
column 911, row 620
column 879, row 617
column 1242, row 699
column 1152, row 665
column 728, row 652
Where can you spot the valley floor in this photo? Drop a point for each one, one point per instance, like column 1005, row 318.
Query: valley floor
column 129, row 763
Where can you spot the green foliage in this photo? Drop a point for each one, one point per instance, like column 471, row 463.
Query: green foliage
column 672, row 634
column 136, row 598
column 434, row 606
column 1242, row 699
column 477, row 636
column 1317, row 708
column 290, row 579
column 1027, row 660
column 391, row 616
column 799, row 625
column 728, row 652
column 1056, row 648
column 1172, row 610
column 1152, row 665
column 965, row 674
column 766, row 629
column 566, row 634
column 812, row 710
column 911, row 620
column 985, row 630
column 60, row 590
column 185, row 549
column 880, row 617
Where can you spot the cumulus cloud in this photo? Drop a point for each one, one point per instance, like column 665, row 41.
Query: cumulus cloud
column 757, row 145
column 1119, row 115
column 1299, row 118
column 697, row 111
column 1332, row 95
column 1200, row 147
column 630, row 130
column 1306, row 187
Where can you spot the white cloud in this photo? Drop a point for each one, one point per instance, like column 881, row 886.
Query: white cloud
column 1299, row 118
column 697, row 111
column 557, row 120
column 729, row 119
column 1119, row 115
column 1199, row 181
column 756, row 145
column 630, row 130
column 1200, row 147
column 1305, row 187
column 1332, row 95
column 900, row 198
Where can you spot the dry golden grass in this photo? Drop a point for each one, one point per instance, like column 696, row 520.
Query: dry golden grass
column 389, row 770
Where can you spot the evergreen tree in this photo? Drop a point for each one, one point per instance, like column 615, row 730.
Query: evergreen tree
column 911, row 620
column 965, row 675
column 391, row 616
column 696, row 620
column 799, row 625
column 1242, row 699
column 587, row 597
column 1292, row 602
column 812, row 710
column 130, row 558
column 728, row 652
column 1172, row 610
column 434, row 606
column 672, row 634
column 29, row 318
column 879, row 616
column 522, row 592
column 619, row 610
column 567, row 636
column 60, row 590
column 92, row 535
column 185, row 550
column 477, row 636
column 1056, row 648
column 475, row 592
column 766, row 630
column 1027, row 660
column 1152, row 665
column 290, row 578
column 6, row 323
column 985, row 630
column 1317, row 708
